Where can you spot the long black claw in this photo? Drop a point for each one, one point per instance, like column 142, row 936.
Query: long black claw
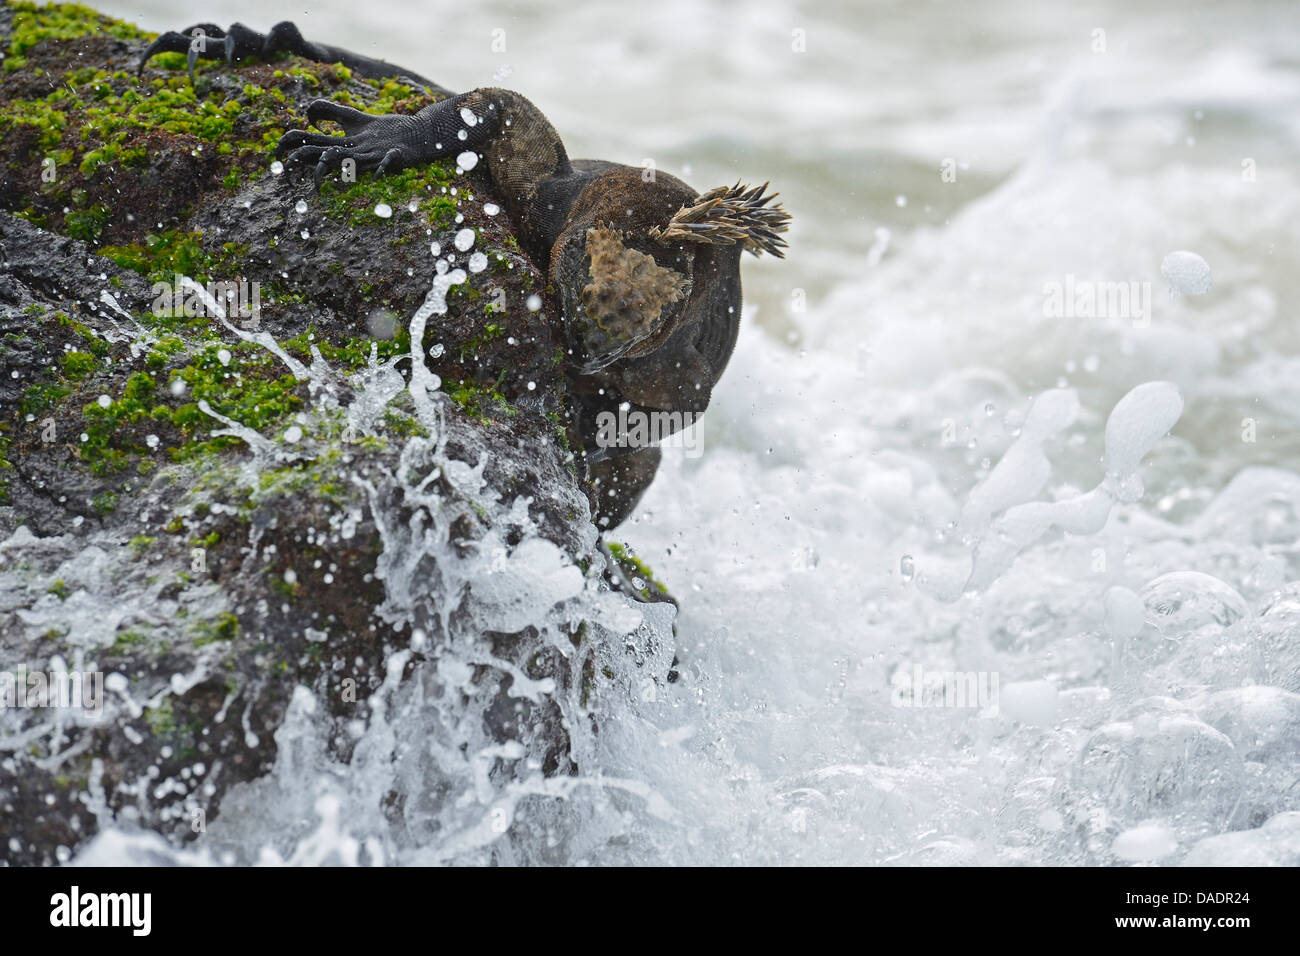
column 332, row 156
column 170, row 42
column 392, row 159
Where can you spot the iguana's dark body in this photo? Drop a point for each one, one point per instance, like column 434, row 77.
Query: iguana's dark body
column 647, row 272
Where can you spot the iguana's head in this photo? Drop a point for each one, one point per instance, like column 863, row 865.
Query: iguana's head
column 628, row 263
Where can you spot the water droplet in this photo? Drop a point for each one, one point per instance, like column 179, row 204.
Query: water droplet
column 1186, row 272
column 382, row 324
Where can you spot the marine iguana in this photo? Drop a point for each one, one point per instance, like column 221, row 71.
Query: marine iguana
column 647, row 270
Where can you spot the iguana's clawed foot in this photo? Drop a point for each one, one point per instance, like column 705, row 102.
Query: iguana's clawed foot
column 381, row 143
column 385, row 144
column 207, row 41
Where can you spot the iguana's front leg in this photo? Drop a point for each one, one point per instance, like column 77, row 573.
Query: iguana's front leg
column 512, row 144
column 207, row 41
column 390, row 142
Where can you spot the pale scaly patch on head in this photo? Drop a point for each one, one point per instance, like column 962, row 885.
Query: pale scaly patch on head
column 731, row 214
column 628, row 289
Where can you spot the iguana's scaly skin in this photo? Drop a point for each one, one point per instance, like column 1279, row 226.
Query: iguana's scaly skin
column 646, row 269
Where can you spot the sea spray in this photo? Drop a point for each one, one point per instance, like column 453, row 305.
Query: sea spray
column 1001, row 518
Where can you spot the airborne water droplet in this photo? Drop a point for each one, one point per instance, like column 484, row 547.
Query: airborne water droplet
column 1187, row 272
